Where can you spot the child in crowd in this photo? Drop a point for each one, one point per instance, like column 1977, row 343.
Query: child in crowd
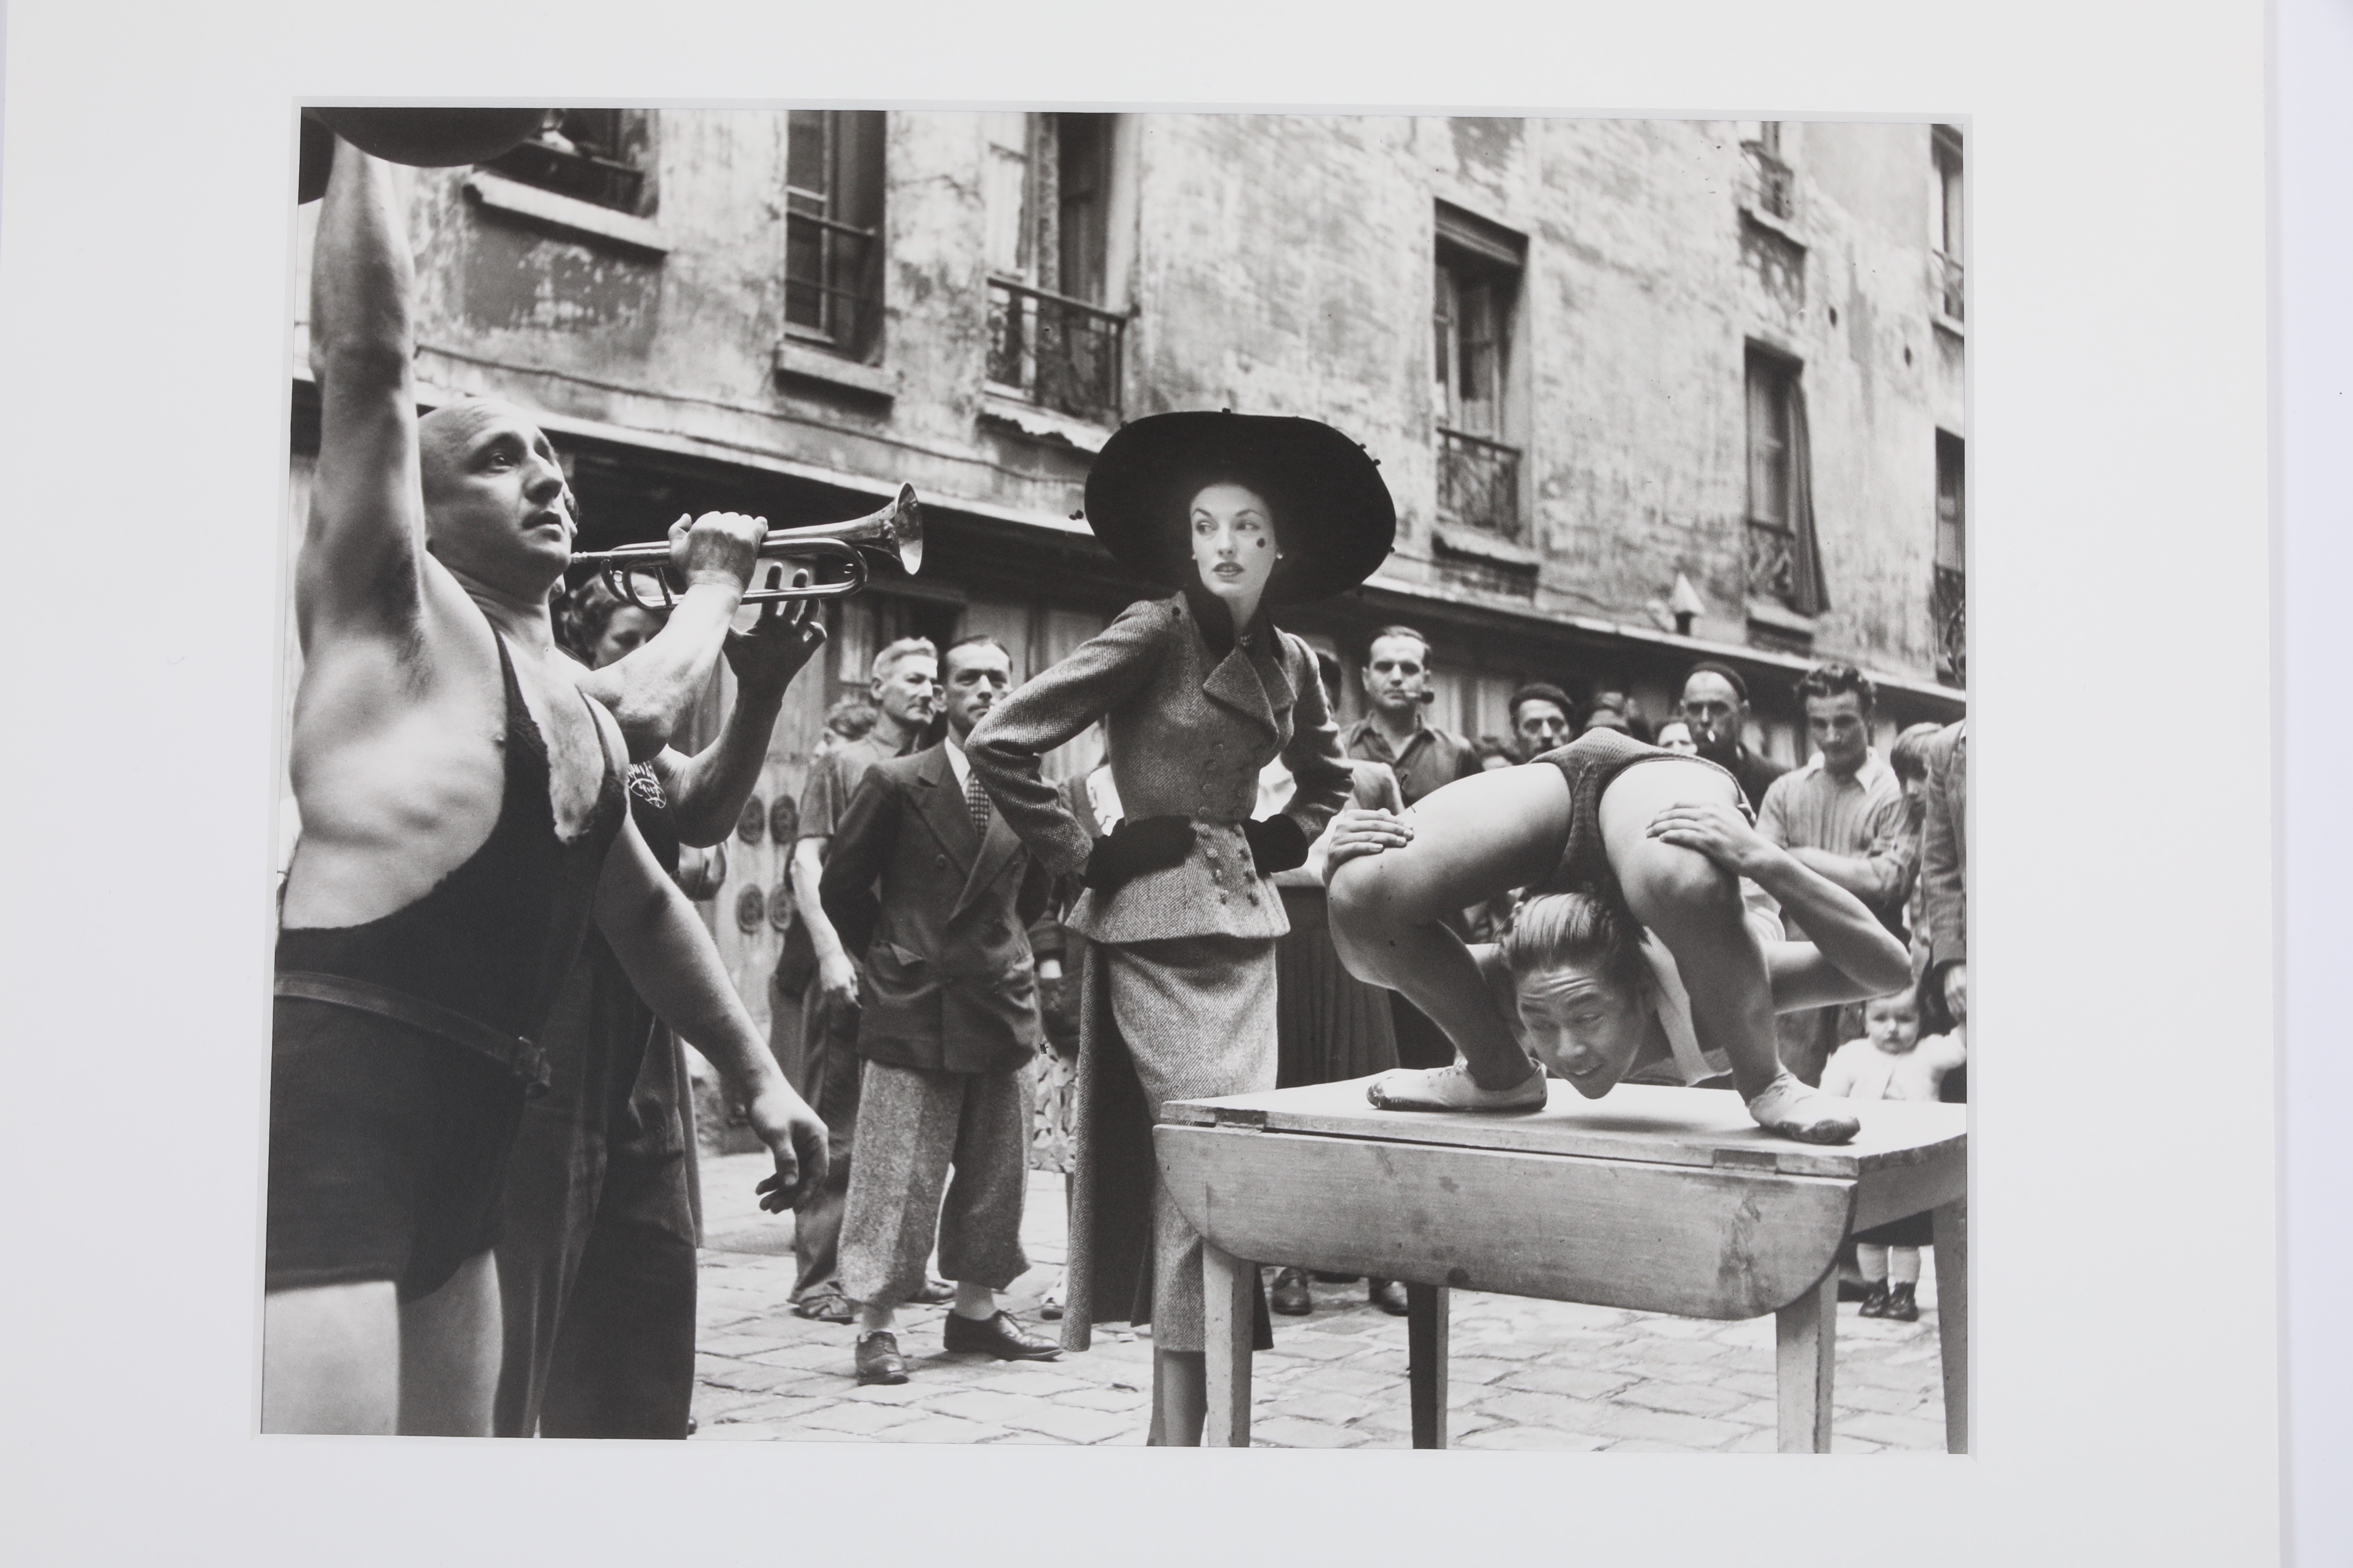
column 1893, row 1062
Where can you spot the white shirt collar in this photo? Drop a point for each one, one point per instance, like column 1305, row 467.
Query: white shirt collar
column 958, row 763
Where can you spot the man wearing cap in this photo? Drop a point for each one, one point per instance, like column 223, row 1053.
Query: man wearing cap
column 1541, row 719
column 1715, row 705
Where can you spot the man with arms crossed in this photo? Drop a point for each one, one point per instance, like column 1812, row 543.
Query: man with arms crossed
column 462, row 821
column 926, row 881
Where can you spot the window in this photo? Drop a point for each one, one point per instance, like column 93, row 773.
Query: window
column 1784, row 562
column 1051, row 338
column 833, row 230
column 1477, row 278
column 598, row 155
column 1948, row 593
column 1945, row 145
column 1777, row 184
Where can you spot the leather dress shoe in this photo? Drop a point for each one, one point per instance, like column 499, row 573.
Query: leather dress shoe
column 998, row 1336
column 1875, row 1305
column 934, row 1293
column 1901, row 1306
column 1290, row 1295
column 879, row 1361
column 1388, row 1295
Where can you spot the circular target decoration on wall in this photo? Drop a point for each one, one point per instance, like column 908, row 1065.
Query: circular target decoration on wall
column 754, row 822
column 751, row 910
column 785, row 821
column 780, row 905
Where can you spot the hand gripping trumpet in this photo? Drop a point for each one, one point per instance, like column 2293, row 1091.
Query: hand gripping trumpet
column 896, row 529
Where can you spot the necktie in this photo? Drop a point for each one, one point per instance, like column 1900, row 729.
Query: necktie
column 976, row 799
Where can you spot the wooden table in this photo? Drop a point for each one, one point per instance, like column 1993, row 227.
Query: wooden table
column 1661, row 1200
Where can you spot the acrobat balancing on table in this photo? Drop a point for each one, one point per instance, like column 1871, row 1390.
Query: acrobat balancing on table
column 1642, row 939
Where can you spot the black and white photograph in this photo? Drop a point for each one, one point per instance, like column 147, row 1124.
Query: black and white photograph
column 851, row 763
column 1249, row 779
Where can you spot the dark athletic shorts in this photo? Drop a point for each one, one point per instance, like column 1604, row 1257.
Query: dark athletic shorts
column 388, row 1151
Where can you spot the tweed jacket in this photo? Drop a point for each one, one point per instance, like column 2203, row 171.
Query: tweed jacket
column 1191, row 713
column 939, row 912
column 1945, row 849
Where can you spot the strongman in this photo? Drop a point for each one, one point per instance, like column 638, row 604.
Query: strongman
column 930, row 885
column 462, row 819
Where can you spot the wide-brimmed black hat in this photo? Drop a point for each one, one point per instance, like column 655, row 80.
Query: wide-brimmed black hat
column 1332, row 512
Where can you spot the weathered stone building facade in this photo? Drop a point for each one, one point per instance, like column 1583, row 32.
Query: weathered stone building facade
column 1646, row 391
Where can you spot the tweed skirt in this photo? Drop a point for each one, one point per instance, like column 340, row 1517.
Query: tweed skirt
column 1179, row 1018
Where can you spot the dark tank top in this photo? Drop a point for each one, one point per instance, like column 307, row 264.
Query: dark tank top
column 491, row 941
column 1589, row 763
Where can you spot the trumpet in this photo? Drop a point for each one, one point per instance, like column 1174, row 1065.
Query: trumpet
column 895, row 529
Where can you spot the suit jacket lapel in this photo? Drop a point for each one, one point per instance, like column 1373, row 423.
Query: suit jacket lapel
column 995, row 850
column 940, row 806
column 1235, row 683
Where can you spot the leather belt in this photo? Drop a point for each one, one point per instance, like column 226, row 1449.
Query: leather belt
column 517, row 1055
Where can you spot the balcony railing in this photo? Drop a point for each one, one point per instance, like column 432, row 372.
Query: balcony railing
column 1948, row 604
column 1773, row 565
column 1950, row 285
column 830, row 281
column 1479, row 483
column 1058, row 353
column 1777, row 184
column 567, row 172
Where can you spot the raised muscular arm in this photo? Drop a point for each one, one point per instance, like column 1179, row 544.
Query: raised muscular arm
column 651, row 688
column 360, row 568
column 707, row 791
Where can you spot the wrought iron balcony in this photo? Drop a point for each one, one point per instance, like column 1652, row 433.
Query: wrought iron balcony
column 1058, row 353
column 1777, row 184
column 1950, row 285
column 1949, row 605
column 1479, row 483
column 1773, row 563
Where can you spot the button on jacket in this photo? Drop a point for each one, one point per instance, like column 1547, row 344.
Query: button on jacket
column 938, row 910
column 1191, row 717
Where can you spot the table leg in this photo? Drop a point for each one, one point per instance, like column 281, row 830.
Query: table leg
column 1805, row 1340
column 1228, row 1283
column 1428, row 1308
column 1952, row 1241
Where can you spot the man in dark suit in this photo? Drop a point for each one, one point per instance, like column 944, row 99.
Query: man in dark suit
column 927, row 880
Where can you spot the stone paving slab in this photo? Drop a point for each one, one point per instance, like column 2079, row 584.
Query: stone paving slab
column 1522, row 1375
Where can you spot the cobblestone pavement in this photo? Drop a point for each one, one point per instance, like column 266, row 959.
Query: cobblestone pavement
column 1522, row 1373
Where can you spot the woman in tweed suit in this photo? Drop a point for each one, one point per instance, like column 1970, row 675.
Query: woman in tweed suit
column 1195, row 692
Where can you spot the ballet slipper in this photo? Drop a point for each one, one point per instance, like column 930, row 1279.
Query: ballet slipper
column 1792, row 1110
column 1452, row 1089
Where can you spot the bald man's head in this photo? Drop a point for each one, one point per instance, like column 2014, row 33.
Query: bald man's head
column 497, row 506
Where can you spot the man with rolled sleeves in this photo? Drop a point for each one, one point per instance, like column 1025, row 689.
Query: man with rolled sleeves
column 927, row 881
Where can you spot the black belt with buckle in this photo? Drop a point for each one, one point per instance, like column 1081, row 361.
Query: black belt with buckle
column 517, row 1055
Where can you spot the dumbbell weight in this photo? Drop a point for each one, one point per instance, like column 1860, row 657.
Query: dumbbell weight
column 422, row 138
